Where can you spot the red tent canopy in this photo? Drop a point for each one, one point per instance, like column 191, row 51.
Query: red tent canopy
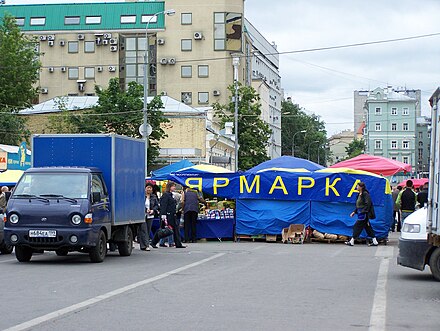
column 417, row 182
column 375, row 164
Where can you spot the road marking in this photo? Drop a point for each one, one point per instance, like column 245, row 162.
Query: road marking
column 379, row 310
column 99, row 298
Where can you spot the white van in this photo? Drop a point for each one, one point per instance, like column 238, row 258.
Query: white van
column 414, row 250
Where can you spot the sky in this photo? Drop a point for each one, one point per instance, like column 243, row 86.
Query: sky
column 323, row 82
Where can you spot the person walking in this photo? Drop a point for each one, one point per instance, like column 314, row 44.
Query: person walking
column 396, row 210
column 151, row 208
column 364, row 211
column 407, row 200
column 190, row 204
column 168, row 215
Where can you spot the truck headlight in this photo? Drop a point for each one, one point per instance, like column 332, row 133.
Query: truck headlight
column 411, row 228
column 76, row 219
column 13, row 218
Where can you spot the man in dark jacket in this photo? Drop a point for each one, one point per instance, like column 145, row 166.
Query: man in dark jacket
column 422, row 196
column 407, row 200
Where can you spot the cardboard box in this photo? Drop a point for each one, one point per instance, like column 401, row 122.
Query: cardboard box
column 295, row 234
column 271, row 237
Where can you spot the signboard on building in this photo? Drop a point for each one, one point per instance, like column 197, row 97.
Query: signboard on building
column 3, row 160
column 20, row 160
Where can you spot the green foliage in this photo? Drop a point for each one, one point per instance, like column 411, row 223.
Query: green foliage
column 310, row 144
column 253, row 132
column 19, row 66
column 355, row 148
column 121, row 112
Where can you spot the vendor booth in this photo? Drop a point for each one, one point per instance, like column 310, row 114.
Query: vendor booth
column 10, row 177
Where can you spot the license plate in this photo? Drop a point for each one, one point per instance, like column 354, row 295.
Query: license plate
column 42, row 233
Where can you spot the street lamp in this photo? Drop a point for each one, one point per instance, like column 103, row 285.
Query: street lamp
column 235, row 64
column 169, row 12
column 308, row 154
column 293, row 140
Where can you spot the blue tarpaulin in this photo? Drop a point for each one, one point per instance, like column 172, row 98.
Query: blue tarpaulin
column 163, row 173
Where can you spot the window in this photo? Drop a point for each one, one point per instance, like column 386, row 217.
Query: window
column 186, row 44
column 19, row 21
column 219, row 31
column 405, row 144
column 394, row 158
column 378, row 111
column 38, row 20
column 394, row 111
column 149, row 18
column 405, row 111
column 378, row 144
column 393, row 126
column 71, row 20
column 89, row 47
column 93, row 19
column 73, row 47
column 186, row 18
column 429, row 135
column 203, row 97
column 420, row 153
column 203, row 71
column 98, row 185
column 393, row 144
column 128, row 19
column 405, row 159
column 73, row 73
column 420, row 135
column 186, row 71
column 377, row 127
column 89, row 72
column 405, row 127
column 186, row 97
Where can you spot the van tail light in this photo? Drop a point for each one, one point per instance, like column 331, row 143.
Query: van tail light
column 88, row 219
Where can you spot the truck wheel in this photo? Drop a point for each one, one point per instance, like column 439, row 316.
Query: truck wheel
column 97, row 253
column 434, row 264
column 5, row 248
column 62, row 252
column 23, row 254
column 125, row 247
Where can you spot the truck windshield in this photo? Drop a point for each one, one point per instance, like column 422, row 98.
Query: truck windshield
column 61, row 185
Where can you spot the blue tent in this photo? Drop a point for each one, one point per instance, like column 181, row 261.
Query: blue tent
column 289, row 162
column 163, row 173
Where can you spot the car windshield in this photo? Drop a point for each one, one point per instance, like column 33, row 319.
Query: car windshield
column 61, row 185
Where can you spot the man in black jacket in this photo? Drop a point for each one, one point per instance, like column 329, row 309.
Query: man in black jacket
column 422, row 196
column 407, row 200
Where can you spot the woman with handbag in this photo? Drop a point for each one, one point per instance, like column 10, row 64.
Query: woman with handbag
column 168, row 217
column 151, row 208
column 364, row 211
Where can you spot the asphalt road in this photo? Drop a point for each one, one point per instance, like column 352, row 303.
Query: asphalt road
column 221, row 286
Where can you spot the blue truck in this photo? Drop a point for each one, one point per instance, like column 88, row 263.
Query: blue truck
column 83, row 192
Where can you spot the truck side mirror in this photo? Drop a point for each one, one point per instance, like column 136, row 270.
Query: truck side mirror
column 96, row 197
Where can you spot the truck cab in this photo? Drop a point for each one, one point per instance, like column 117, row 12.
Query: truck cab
column 59, row 209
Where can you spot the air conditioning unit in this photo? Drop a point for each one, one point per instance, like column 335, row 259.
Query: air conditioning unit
column 163, row 92
column 43, row 38
column 51, row 69
column 172, row 60
column 81, row 36
column 216, row 93
column 63, row 69
column 113, row 48
column 198, row 36
column 161, row 41
column 50, row 43
column 113, row 41
column 98, row 41
column 105, row 42
column 107, row 35
column 51, row 37
column 44, row 90
column 163, row 60
column 62, row 42
column 99, row 69
column 112, row 68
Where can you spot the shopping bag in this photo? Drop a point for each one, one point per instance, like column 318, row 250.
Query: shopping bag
column 164, row 232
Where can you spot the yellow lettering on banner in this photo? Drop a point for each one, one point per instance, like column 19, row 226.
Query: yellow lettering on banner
column 255, row 182
column 353, row 188
column 331, row 186
column 217, row 185
column 198, row 184
column 280, row 187
column 301, row 185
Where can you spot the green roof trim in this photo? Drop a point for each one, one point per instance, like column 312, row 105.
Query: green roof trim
column 110, row 14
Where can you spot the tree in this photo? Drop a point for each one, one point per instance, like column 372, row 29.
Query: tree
column 355, row 148
column 310, row 144
column 253, row 132
column 121, row 112
column 19, row 72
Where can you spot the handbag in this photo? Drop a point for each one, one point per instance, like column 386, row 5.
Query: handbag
column 164, row 232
